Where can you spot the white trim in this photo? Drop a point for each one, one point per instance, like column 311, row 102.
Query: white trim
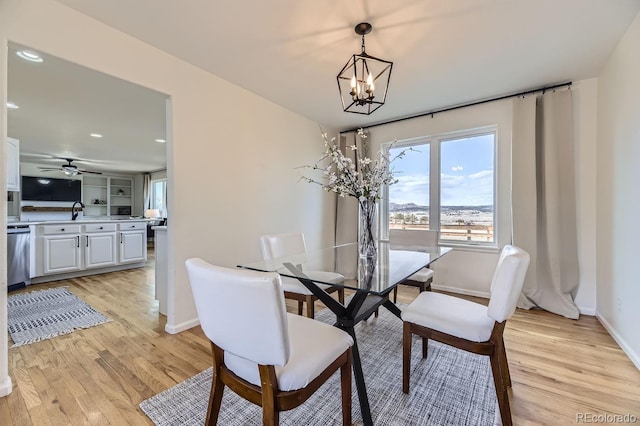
column 175, row 329
column 587, row 310
column 458, row 290
column 633, row 356
column 6, row 387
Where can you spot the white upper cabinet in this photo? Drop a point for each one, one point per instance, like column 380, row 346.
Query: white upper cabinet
column 13, row 165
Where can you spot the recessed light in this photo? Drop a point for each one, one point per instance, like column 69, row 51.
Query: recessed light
column 160, row 140
column 11, row 105
column 29, row 56
column 95, row 135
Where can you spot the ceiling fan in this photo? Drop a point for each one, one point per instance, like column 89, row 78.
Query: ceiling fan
column 69, row 169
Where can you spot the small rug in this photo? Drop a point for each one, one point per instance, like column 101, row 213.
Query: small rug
column 450, row 387
column 43, row 314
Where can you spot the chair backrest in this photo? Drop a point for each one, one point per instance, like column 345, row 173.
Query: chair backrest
column 243, row 312
column 508, row 279
column 413, row 237
column 281, row 245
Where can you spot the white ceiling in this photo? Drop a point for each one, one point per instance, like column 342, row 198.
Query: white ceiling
column 62, row 103
column 444, row 52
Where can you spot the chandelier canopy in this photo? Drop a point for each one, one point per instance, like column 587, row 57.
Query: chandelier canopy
column 364, row 80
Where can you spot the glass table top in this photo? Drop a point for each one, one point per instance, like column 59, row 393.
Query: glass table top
column 377, row 275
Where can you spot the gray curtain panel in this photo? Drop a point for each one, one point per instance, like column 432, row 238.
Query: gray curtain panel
column 146, row 190
column 544, row 200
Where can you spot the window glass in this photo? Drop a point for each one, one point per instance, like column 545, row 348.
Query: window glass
column 446, row 183
column 466, row 188
column 158, row 194
column 409, row 197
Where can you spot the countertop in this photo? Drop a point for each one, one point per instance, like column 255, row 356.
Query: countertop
column 66, row 222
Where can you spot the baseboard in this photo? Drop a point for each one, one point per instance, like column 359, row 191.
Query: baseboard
column 6, row 387
column 175, row 329
column 587, row 310
column 633, row 356
column 460, row 291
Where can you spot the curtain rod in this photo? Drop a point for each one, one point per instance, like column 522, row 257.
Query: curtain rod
column 431, row 113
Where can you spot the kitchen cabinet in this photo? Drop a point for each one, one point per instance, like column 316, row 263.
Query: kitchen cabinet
column 71, row 249
column 13, row 165
column 100, row 245
column 61, row 249
column 133, row 242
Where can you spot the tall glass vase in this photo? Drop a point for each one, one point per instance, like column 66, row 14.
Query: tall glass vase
column 368, row 228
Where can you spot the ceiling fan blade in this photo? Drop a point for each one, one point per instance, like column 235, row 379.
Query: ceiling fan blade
column 49, row 169
column 88, row 171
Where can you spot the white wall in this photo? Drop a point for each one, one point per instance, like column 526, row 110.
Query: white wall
column 231, row 154
column 618, row 196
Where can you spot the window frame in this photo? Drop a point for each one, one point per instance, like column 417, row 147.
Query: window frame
column 435, row 174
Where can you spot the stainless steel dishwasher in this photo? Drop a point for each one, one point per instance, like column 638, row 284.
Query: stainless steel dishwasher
column 17, row 256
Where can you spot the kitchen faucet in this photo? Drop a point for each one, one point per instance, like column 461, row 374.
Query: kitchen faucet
column 74, row 213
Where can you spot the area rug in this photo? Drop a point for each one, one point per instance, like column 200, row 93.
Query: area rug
column 450, row 387
column 43, row 314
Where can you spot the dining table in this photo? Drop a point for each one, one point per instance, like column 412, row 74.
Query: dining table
column 371, row 279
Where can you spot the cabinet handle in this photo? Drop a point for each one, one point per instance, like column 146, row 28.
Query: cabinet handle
column 121, row 238
column 133, row 226
column 87, row 241
column 101, row 227
column 62, row 229
column 78, row 241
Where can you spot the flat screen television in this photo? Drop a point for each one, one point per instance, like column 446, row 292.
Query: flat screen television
column 50, row 189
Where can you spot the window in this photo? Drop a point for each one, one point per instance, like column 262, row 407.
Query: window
column 445, row 182
column 159, row 195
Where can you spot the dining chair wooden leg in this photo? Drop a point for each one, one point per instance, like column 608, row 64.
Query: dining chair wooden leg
column 345, row 380
column 341, row 295
column 406, row 355
column 504, row 364
column 300, row 303
column 395, row 294
column 501, row 389
column 269, row 388
column 217, row 388
column 425, row 347
column 310, row 306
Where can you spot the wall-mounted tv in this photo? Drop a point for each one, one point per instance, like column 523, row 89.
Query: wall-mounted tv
column 50, row 189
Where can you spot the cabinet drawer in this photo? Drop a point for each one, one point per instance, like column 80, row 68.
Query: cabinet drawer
column 60, row 229
column 132, row 226
column 100, row 227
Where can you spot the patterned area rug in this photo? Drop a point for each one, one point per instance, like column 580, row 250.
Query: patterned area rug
column 450, row 387
column 43, row 314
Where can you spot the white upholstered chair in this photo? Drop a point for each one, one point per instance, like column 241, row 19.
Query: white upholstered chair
column 267, row 356
column 470, row 326
column 287, row 244
column 410, row 237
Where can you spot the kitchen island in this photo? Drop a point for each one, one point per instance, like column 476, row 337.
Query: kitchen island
column 67, row 249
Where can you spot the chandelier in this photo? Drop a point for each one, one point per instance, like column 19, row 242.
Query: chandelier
column 364, row 80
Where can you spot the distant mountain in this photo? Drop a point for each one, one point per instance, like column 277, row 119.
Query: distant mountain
column 408, row 207
column 413, row 207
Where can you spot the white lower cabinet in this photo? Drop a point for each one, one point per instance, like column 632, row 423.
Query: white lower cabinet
column 66, row 248
column 62, row 254
column 133, row 242
column 100, row 245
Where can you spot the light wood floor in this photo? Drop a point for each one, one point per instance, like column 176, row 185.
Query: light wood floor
column 98, row 376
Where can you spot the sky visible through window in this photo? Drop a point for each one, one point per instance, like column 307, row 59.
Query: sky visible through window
column 466, row 174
